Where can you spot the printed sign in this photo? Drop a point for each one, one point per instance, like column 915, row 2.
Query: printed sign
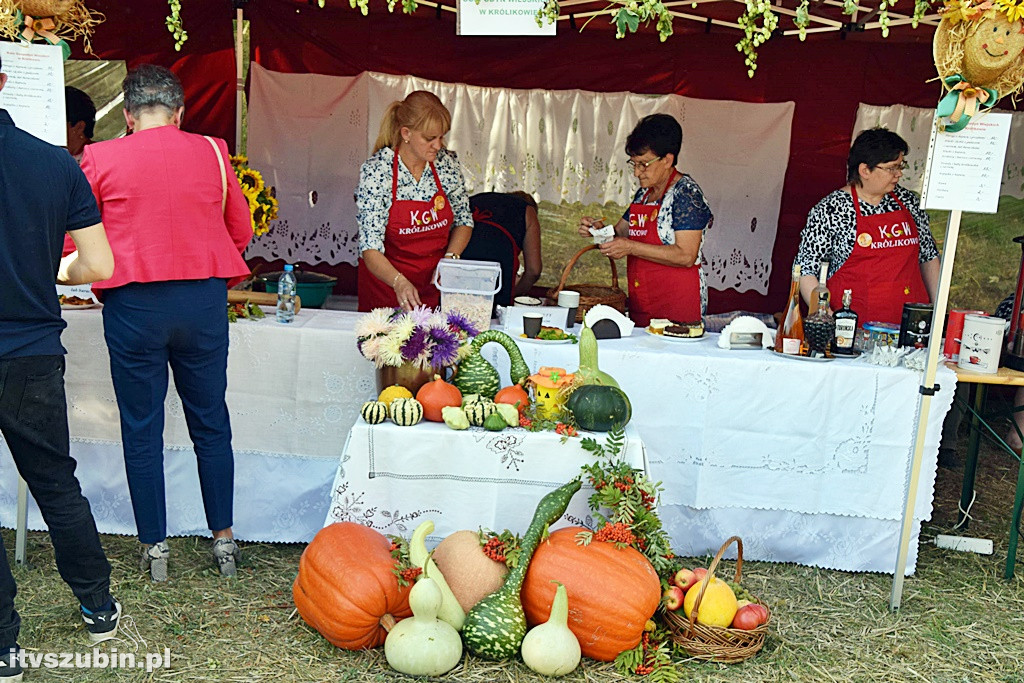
column 965, row 169
column 34, row 94
column 502, row 18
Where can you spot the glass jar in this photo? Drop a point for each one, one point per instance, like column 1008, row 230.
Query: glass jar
column 879, row 334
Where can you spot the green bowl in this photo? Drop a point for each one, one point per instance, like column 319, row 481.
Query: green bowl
column 312, row 288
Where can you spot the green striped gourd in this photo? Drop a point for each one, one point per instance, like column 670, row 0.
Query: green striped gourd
column 598, row 408
column 406, row 412
column 589, row 372
column 496, row 626
column 476, row 376
column 479, row 411
column 374, row 412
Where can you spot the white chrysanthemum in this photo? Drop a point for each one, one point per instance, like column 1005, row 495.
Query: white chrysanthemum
column 373, row 323
column 390, row 350
column 403, row 329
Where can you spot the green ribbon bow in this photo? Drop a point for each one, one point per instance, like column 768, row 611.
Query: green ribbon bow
column 962, row 102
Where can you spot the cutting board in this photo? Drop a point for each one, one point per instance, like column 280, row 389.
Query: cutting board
column 237, row 296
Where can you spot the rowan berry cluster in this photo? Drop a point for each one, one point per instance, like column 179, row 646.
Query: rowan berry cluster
column 565, row 429
column 615, row 533
column 494, row 548
column 411, row 573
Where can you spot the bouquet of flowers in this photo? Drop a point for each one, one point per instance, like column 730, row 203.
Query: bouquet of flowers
column 261, row 197
column 423, row 337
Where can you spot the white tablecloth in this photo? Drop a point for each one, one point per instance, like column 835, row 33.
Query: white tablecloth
column 807, row 461
column 392, row 478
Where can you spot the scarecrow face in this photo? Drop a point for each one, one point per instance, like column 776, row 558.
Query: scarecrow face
column 993, row 46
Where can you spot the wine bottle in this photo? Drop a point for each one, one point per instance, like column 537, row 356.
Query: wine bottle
column 846, row 325
column 820, row 290
column 820, row 330
column 790, row 336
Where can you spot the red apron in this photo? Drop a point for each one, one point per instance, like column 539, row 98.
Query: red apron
column 883, row 269
column 656, row 290
column 416, row 236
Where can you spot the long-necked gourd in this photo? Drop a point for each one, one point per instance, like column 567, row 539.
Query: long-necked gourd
column 477, row 376
column 450, row 610
column 496, row 625
column 551, row 648
column 589, row 373
column 423, row 645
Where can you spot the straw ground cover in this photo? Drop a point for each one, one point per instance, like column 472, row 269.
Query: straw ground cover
column 960, row 621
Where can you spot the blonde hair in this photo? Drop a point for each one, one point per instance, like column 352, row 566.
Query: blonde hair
column 420, row 110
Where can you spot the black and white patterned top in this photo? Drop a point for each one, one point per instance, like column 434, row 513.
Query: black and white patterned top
column 373, row 196
column 832, row 229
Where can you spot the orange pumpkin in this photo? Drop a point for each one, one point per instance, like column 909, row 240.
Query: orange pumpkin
column 514, row 395
column 436, row 395
column 612, row 591
column 346, row 589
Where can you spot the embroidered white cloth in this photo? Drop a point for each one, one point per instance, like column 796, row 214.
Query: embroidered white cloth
column 561, row 145
column 392, row 478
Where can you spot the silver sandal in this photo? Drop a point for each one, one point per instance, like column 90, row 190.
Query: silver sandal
column 154, row 560
column 227, row 555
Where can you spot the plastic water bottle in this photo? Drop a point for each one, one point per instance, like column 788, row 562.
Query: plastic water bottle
column 286, row 295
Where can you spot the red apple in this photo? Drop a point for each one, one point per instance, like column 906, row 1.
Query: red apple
column 762, row 612
column 673, row 598
column 700, row 573
column 747, row 618
column 684, row 578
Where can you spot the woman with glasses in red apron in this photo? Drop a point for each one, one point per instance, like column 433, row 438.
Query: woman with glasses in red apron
column 874, row 235
column 662, row 231
column 412, row 206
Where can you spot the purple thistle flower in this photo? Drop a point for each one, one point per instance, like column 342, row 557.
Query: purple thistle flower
column 445, row 347
column 460, row 323
column 416, row 344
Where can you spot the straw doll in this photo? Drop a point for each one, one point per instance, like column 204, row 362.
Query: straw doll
column 51, row 21
column 979, row 54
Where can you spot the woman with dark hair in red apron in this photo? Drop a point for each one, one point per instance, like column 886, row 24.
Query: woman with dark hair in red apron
column 412, row 206
column 874, row 235
column 662, row 231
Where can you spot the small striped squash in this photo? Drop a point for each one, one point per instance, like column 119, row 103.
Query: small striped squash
column 405, row 412
column 374, row 412
column 479, row 411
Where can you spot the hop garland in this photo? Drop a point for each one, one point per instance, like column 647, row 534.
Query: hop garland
column 262, row 199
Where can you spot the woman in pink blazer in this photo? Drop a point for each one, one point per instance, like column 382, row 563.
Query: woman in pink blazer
column 177, row 222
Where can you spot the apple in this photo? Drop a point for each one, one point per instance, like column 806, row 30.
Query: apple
column 673, row 598
column 684, row 578
column 743, row 603
column 747, row 618
column 762, row 612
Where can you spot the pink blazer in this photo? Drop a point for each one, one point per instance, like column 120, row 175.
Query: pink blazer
column 159, row 192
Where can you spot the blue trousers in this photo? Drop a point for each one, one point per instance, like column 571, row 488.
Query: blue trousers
column 181, row 323
column 34, row 422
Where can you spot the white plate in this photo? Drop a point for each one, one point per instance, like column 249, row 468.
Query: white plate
column 567, row 340
column 669, row 338
column 79, row 307
column 813, row 360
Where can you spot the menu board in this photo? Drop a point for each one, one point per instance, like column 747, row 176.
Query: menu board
column 34, row 94
column 965, row 169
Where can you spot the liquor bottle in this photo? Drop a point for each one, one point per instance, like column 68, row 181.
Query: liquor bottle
column 821, row 290
column 820, row 330
column 846, row 325
column 790, row 336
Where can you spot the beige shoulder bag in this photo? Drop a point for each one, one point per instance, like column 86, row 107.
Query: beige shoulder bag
column 223, row 174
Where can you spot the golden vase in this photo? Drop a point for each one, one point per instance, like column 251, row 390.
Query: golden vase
column 407, row 375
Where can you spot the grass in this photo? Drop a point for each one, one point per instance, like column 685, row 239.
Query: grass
column 960, row 620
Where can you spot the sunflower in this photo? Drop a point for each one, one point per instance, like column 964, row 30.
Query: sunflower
column 1014, row 9
column 251, row 180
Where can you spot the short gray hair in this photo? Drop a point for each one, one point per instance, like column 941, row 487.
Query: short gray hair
column 149, row 86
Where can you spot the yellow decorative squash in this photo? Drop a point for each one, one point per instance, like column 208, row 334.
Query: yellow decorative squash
column 718, row 605
column 391, row 393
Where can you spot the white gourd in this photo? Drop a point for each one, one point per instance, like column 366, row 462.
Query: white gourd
column 551, row 649
column 423, row 645
column 450, row 610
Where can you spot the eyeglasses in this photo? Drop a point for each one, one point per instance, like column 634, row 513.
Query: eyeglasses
column 642, row 165
column 894, row 170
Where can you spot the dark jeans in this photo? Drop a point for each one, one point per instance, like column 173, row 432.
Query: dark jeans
column 184, row 324
column 34, row 422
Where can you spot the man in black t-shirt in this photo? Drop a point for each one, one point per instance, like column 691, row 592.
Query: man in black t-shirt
column 44, row 194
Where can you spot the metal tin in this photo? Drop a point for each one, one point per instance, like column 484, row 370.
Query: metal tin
column 982, row 343
column 915, row 325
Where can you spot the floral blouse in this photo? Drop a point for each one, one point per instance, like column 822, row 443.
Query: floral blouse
column 832, row 229
column 373, row 196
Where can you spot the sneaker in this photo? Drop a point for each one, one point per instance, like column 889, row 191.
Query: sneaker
column 102, row 624
column 154, row 559
column 226, row 554
column 10, row 668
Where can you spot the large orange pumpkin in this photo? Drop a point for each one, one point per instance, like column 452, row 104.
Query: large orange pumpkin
column 612, row 591
column 436, row 395
column 346, row 589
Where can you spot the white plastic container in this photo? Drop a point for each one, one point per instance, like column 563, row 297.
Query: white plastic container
column 468, row 287
column 980, row 344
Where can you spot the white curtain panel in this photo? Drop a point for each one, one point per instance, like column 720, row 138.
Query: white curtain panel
column 913, row 124
column 310, row 133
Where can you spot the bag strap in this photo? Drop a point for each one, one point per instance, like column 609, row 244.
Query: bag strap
column 223, row 174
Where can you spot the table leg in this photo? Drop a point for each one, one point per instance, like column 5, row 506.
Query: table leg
column 1018, row 501
column 22, row 522
column 971, row 461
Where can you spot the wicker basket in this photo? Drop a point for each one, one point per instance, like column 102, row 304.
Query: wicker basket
column 714, row 643
column 590, row 295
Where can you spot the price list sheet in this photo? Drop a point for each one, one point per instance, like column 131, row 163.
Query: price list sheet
column 34, row 94
column 965, row 169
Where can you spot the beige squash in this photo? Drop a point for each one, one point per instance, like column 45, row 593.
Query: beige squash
column 470, row 574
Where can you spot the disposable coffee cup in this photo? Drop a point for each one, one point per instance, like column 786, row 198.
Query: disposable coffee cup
column 527, row 301
column 569, row 300
column 531, row 325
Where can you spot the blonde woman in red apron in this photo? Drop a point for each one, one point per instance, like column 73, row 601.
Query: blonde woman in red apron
column 874, row 235
column 661, row 233
column 412, row 206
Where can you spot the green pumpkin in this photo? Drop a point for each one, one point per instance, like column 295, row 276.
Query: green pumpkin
column 495, row 422
column 476, row 376
column 374, row 412
column 599, row 408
